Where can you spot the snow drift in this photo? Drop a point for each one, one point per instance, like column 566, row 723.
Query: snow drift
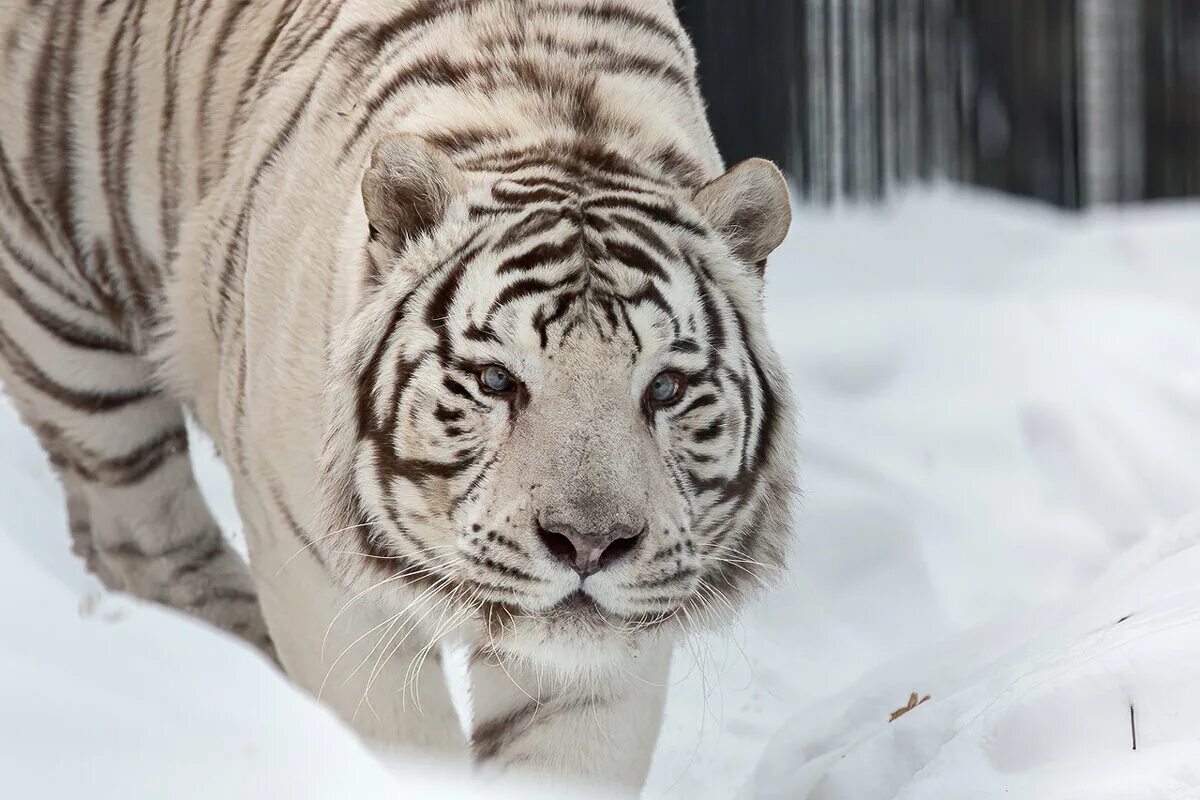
column 1097, row 699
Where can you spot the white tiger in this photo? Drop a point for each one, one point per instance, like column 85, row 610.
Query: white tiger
column 460, row 291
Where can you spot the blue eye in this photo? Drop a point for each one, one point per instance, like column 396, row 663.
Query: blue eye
column 666, row 388
column 496, row 379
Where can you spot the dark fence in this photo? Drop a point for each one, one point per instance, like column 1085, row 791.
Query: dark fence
column 1075, row 102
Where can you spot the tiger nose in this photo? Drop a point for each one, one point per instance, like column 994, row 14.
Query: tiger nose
column 589, row 552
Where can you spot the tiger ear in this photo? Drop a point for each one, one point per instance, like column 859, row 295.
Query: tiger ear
column 750, row 207
column 407, row 189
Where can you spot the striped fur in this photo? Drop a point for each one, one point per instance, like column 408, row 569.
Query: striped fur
column 312, row 223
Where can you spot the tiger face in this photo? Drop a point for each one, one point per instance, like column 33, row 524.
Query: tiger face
column 569, row 426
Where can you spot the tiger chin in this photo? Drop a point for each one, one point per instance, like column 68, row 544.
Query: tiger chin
column 472, row 310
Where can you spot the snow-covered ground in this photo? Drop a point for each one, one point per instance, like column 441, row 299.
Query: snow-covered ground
column 1001, row 407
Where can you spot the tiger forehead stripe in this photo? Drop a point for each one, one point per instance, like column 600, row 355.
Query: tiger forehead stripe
column 371, row 369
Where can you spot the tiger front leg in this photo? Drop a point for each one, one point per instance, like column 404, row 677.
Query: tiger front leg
column 590, row 728
column 136, row 514
column 379, row 668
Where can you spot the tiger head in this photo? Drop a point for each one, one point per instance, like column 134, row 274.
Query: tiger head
column 567, row 423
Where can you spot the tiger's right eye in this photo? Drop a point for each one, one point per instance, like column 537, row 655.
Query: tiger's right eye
column 666, row 388
column 496, row 379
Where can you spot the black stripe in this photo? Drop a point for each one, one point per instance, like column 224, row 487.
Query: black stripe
column 646, row 234
column 543, row 323
column 623, row 15
column 443, row 414
column 589, row 163
column 746, row 397
column 681, row 167
column 511, row 188
column 601, row 56
column 199, row 546
column 714, row 325
column 649, row 294
column 458, row 390
column 233, row 262
column 549, row 252
column 523, row 288
column 659, row 583
column 703, row 401
column 66, row 331
column 506, row 542
column 138, row 464
column 482, row 473
column 296, row 528
column 69, row 295
column 51, row 90
column 480, row 333
column 116, row 141
column 463, row 140
column 435, row 70
column 518, row 194
column 637, row 340
column 300, row 41
column 38, row 229
column 767, row 405
column 170, row 176
column 79, row 399
column 502, row 569
column 660, row 213
column 710, row 431
column 489, row 738
column 371, row 38
column 534, row 224
column 437, row 313
column 282, row 19
column 208, row 81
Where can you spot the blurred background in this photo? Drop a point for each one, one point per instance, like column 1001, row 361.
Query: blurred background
column 1072, row 102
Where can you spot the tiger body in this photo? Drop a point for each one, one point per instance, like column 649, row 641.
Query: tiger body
column 307, row 222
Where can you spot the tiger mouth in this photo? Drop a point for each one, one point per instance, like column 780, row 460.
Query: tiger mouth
column 579, row 604
column 577, row 607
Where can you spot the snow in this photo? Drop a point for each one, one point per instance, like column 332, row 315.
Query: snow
column 1045, row 706
column 1001, row 447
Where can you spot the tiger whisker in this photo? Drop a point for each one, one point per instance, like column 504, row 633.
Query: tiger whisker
column 416, row 623
column 417, row 664
column 740, row 557
column 413, row 624
column 313, row 543
column 762, row 582
column 500, row 661
column 403, row 613
column 350, row 646
column 415, row 572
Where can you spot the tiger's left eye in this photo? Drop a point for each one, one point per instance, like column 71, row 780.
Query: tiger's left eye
column 666, row 388
column 497, row 379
